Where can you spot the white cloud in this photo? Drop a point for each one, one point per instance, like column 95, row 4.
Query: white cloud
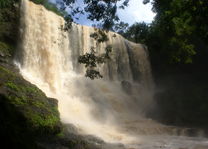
column 137, row 12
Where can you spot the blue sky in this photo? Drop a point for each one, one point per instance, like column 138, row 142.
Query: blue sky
column 135, row 12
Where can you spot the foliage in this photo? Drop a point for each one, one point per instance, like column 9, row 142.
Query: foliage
column 99, row 36
column 120, row 27
column 178, row 46
column 9, row 15
column 138, row 33
column 68, row 23
column 103, row 12
column 50, row 6
column 178, row 33
column 93, row 59
column 183, row 25
column 7, row 3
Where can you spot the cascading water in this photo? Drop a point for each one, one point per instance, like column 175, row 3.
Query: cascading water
column 111, row 108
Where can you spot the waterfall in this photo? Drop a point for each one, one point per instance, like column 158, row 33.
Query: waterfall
column 112, row 108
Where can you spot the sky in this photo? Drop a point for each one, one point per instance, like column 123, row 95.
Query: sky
column 135, row 12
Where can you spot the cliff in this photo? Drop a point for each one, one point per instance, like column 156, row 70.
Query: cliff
column 113, row 109
column 25, row 111
column 29, row 119
column 26, row 114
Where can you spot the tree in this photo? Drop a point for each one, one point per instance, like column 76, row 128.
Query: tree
column 183, row 26
column 93, row 59
column 138, row 33
column 104, row 12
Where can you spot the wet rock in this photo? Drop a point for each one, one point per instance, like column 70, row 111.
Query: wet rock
column 25, row 111
column 127, row 87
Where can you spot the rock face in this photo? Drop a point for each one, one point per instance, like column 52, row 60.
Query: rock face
column 25, row 111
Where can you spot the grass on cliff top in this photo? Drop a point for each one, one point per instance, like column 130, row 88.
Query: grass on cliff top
column 50, row 6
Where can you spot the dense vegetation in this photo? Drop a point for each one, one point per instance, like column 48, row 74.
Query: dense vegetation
column 177, row 42
column 178, row 45
column 9, row 20
column 50, row 6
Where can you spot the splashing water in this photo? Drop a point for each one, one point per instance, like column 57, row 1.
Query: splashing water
column 112, row 108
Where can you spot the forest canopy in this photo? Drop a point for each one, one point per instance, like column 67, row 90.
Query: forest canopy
column 179, row 30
